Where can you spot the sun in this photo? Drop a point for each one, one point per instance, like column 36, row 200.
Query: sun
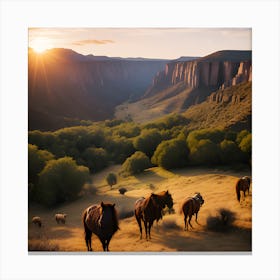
column 39, row 45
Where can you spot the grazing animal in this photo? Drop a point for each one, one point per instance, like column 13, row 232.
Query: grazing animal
column 60, row 218
column 191, row 206
column 100, row 219
column 37, row 221
column 150, row 209
column 243, row 184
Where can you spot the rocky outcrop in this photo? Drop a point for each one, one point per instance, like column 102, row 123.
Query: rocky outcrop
column 213, row 72
column 64, row 84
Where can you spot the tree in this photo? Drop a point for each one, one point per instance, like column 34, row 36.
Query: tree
column 37, row 160
column 230, row 152
column 136, row 163
column 111, row 179
column 205, row 152
column 147, row 141
column 95, row 158
column 61, row 180
column 171, row 154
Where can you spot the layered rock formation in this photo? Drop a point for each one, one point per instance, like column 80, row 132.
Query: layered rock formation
column 64, row 84
column 219, row 70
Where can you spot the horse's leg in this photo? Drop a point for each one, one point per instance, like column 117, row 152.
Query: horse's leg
column 146, row 226
column 88, row 234
column 149, row 229
column 196, row 217
column 140, row 226
column 185, row 221
column 190, row 217
column 104, row 245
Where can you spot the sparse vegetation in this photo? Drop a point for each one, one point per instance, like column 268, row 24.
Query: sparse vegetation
column 136, row 164
column 111, row 179
column 222, row 222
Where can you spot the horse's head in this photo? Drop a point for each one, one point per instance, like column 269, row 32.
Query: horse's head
column 107, row 214
column 199, row 197
column 168, row 200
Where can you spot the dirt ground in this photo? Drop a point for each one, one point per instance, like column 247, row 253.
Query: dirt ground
column 216, row 186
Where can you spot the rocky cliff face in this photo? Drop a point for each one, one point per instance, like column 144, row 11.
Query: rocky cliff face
column 65, row 84
column 213, row 72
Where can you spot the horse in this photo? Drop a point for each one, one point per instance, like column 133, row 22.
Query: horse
column 100, row 219
column 150, row 209
column 60, row 218
column 191, row 206
column 243, row 184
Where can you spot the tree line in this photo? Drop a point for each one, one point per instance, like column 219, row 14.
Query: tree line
column 60, row 162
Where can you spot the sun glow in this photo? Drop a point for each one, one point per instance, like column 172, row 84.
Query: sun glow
column 40, row 45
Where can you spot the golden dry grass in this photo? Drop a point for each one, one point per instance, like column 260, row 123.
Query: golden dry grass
column 216, row 186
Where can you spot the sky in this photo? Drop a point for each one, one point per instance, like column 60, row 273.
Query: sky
column 167, row 43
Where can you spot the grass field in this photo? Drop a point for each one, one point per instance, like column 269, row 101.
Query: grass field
column 217, row 187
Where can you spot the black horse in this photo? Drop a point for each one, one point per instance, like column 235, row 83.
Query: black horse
column 101, row 220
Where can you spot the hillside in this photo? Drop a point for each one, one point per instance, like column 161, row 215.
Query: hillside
column 229, row 108
column 64, row 84
column 183, row 86
column 215, row 185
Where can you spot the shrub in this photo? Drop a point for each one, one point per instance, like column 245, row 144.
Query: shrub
column 137, row 163
column 241, row 135
column 222, row 222
column 171, row 154
column 61, row 180
column 36, row 162
column 95, row 158
column 246, row 144
column 230, row 152
column 147, row 141
column 111, row 179
column 119, row 148
column 205, row 152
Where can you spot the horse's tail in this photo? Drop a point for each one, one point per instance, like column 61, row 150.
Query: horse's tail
column 237, row 188
column 84, row 220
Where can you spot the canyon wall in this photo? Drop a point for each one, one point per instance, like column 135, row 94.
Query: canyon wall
column 215, row 73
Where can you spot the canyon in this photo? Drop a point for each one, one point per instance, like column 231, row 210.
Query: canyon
column 65, row 87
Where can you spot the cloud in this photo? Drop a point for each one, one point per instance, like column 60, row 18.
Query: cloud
column 92, row 42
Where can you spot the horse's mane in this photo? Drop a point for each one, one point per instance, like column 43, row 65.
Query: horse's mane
column 114, row 212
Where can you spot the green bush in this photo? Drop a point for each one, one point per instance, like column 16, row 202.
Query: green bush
column 37, row 160
column 241, row 135
column 230, row 152
column 61, row 180
column 147, row 141
column 171, row 154
column 119, row 148
column 111, row 179
column 136, row 163
column 95, row 158
column 205, row 152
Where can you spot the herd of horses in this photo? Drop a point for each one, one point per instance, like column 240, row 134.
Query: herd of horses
column 101, row 219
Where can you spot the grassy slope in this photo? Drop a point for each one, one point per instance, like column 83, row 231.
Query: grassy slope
column 204, row 115
column 216, row 186
column 223, row 114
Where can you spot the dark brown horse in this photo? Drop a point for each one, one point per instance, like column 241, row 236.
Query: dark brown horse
column 191, row 206
column 243, row 184
column 100, row 219
column 150, row 209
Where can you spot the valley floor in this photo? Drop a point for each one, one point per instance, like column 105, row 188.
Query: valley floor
column 216, row 186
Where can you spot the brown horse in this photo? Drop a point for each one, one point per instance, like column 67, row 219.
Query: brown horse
column 243, row 184
column 150, row 209
column 191, row 206
column 101, row 220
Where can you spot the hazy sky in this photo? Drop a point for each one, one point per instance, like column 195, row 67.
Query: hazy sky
column 142, row 42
